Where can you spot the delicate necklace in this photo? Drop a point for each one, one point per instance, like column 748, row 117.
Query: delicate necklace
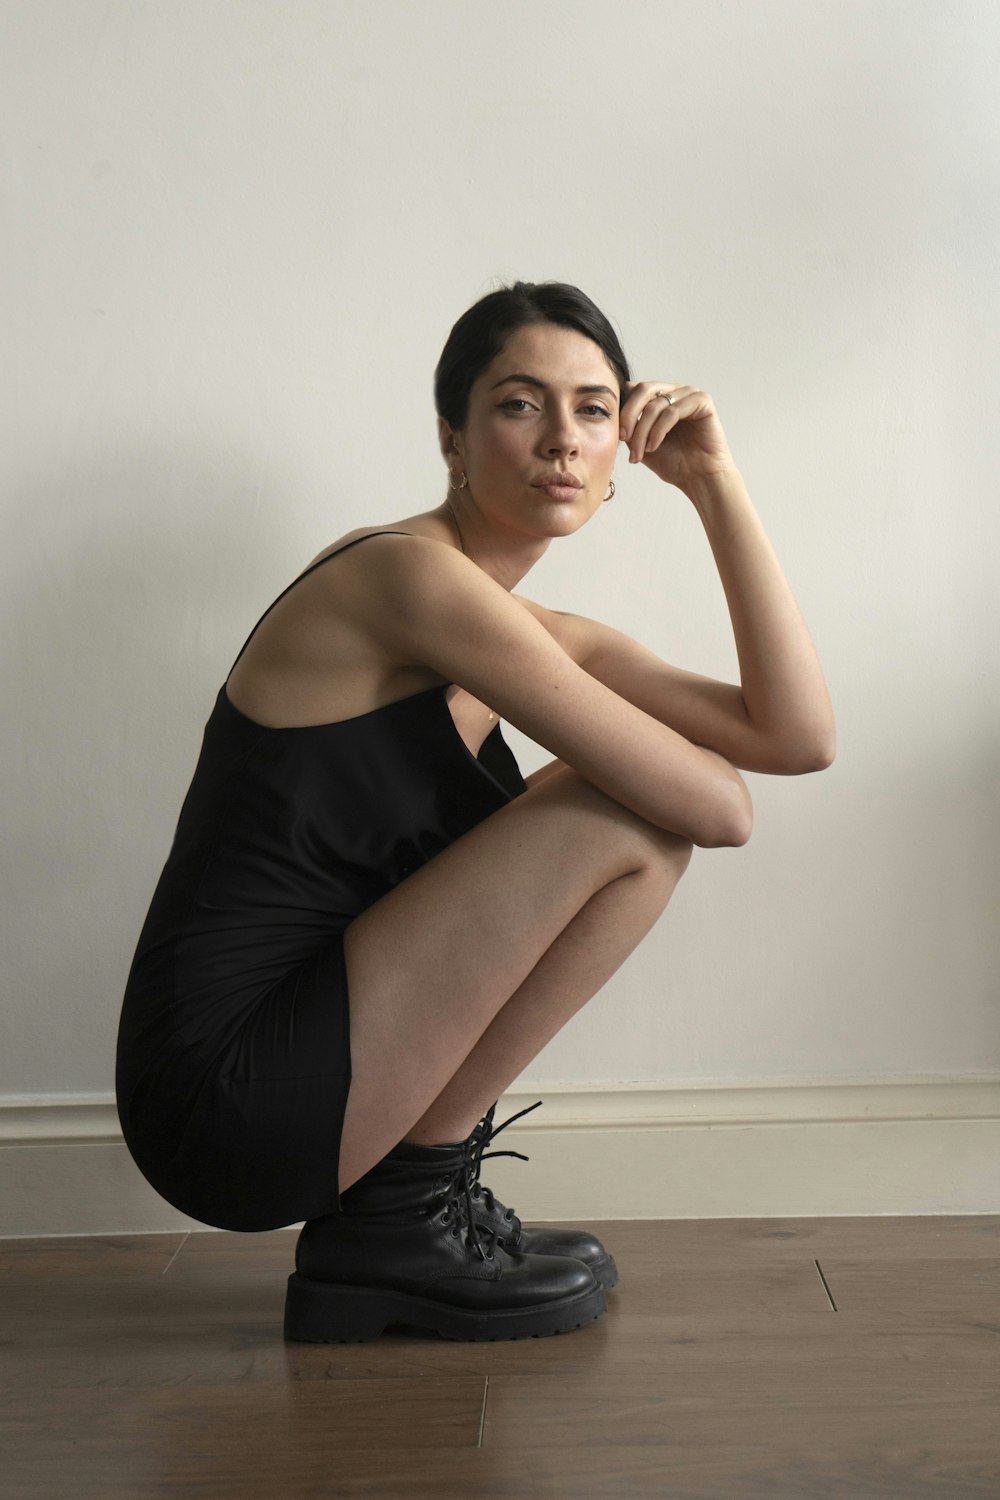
column 461, row 543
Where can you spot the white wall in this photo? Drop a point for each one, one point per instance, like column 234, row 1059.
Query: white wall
column 236, row 235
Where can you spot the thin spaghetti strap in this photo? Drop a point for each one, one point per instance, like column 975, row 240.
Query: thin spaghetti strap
column 311, row 568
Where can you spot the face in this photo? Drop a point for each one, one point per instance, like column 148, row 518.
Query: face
column 545, row 410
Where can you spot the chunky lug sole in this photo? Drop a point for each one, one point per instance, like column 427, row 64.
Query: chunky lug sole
column 321, row 1312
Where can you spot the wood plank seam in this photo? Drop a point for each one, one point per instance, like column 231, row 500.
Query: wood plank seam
column 177, row 1252
column 482, row 1415
column 825, row 1285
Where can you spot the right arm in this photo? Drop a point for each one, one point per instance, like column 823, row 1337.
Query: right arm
column 428, row 604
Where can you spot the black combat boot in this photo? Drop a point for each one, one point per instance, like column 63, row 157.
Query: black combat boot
column 490, row 1214
column 405, row 1249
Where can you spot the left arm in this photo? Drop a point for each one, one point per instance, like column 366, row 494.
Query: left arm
column 779, row 719
column 785, row 701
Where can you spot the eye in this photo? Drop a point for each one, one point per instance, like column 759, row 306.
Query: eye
column 517, row 402
column 598, row 409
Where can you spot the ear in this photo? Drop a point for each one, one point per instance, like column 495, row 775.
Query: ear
column 449, row 440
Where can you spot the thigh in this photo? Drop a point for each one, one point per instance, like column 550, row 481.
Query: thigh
column 431, row 963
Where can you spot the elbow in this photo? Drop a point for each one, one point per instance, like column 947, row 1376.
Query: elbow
column 807, row 755
column 827, row 748
column 825, row 756
column 733, row 827
column 814, row 757
column 738, row 832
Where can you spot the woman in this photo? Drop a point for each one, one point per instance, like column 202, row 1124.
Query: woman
column 369, row 923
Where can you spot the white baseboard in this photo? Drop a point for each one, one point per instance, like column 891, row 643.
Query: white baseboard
column 748, row 1150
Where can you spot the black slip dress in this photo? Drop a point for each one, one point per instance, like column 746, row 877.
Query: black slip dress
column 234, row 1059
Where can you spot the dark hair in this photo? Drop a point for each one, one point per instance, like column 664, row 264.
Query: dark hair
column 480, row 334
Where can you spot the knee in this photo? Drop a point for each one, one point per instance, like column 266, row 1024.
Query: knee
column 655, row 847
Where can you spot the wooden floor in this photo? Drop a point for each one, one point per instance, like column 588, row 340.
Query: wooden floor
column 847, row 1358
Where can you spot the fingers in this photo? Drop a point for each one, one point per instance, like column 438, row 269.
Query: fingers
column 648, row 415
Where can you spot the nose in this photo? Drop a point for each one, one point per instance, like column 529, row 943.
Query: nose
column 560, row 436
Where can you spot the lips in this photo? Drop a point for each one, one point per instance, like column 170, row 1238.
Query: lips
column 557, row 479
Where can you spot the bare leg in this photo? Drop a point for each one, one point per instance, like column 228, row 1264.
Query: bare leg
column 504, row 919
column 578, row 964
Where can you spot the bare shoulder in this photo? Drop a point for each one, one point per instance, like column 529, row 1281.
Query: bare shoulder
column 419, row 572
column 392, row 556
column 402, row 574
column 375, row 569
column 424, row 595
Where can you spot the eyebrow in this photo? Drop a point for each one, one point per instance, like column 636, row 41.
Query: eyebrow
column 582, row 390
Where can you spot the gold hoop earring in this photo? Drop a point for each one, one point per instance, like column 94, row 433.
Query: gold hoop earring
column 611, row 492
column 451, row 481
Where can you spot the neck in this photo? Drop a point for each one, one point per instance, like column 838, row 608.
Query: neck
column 506, row 556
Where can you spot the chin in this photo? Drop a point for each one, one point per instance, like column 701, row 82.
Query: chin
column 566, row 516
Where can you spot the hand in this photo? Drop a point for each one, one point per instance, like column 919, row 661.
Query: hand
column 683, row 442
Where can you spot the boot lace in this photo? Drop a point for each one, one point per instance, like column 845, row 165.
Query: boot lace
column 483, row 1134
column 461, row 1181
